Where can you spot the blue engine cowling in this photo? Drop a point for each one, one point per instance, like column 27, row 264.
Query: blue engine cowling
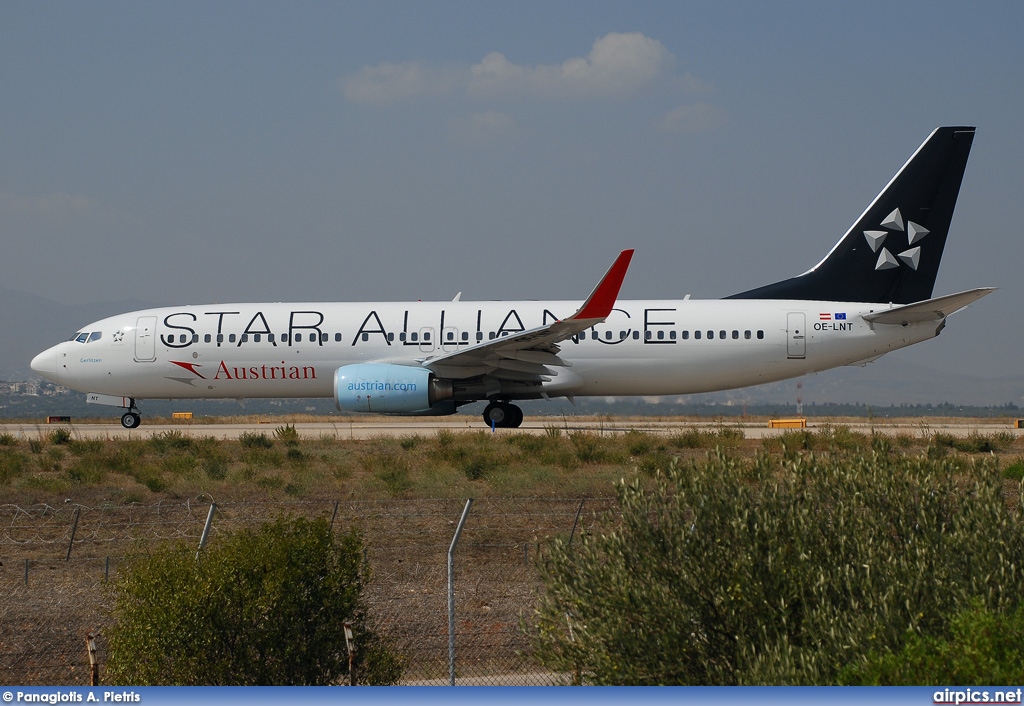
column 383, row 388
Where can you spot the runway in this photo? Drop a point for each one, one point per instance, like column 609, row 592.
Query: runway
column 363, row 428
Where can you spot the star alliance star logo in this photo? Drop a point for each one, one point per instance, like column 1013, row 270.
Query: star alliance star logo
column 894, row 222
column 118, row 336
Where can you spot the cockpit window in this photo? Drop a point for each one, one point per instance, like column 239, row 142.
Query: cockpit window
column 87, row 336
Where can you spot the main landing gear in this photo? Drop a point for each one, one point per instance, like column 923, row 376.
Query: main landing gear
column 503, row 415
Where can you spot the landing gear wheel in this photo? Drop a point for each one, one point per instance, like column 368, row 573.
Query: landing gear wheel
column 503, row 415
column 131, row 420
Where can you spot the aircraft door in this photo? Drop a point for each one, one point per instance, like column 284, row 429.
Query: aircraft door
column 145, row 339
column 796, row 334
column 449, row 339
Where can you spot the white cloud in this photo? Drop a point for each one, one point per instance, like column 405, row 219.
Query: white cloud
column 697, row 117
column 618, row 64
column 389, row 82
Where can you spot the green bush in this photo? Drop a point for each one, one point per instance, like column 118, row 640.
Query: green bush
column 287, row 434
column 255, row 440
column 60, row 436
column 784, row 573
column 980, row 647
column 261, row 607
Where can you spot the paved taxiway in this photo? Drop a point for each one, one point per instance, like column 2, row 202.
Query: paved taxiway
column 366, row 429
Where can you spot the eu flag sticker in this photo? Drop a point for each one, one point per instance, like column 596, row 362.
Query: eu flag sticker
column 841, row 317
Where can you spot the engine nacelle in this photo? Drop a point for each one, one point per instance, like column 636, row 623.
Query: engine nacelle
column 383, row 388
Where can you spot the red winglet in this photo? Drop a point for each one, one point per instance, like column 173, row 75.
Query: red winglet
column 600, row 302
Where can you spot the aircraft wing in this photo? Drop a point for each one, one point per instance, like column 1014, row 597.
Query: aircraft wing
column 526, row 355
column 929, row 310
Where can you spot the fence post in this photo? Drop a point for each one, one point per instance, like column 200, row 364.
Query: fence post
column 350, row 643
column 206, row 530
column 576, row 521
column 333, row 515
column 74, row 528
column 94, row 666
column 451, row 593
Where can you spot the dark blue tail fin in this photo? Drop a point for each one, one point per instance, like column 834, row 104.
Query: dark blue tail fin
column 892, row 252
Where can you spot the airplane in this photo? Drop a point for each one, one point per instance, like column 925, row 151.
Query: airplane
column 871, row 294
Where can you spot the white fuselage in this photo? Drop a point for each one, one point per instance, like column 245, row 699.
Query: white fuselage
column 652, row 347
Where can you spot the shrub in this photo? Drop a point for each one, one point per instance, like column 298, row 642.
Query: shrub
column 261, row 607
column 287, row 435
column 716, row 573
column 60, row 436
column 255, row 440
column 172, row 440
column 980, row 647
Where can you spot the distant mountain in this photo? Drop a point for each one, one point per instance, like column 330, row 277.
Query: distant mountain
column 29, row 324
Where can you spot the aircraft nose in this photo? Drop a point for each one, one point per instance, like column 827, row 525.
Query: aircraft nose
column 45, row 364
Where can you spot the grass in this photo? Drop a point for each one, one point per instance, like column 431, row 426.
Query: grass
column 557, row 462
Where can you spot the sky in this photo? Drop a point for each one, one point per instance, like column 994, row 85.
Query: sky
column 195, row 152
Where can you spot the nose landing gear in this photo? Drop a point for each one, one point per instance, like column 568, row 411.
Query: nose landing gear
column 131, row 420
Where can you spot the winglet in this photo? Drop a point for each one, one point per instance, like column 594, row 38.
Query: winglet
column 600, row 302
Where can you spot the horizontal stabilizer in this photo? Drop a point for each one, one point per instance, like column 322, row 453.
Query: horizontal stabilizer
column 930, row 310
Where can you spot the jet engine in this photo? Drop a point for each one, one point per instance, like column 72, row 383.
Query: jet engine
column 384, row 388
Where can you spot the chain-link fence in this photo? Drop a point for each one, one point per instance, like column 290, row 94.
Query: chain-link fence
column 54, row 562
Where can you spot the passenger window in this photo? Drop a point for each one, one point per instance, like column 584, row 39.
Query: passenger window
column 594, row 335
column 672, row 335
column 451, row 336
column 323, row 338
column 760, row 335
column 220, row 338
column 479, row 335
column 686, row 335
column 711, row 335
column 661, row 335
column 696, row 335
column 636, row 335
column 256, row 337
column 414, row 336
column 270, row 337
column 721, row 334
column 245, row 338
column 391, row 337
column 207, row 338
column 298, row 337
column 465, row 336
column 284, row 338
column 426, row 335
column 607, row 335
column 365, row 336
column 182, row 338
column 746, row 334
column 735, row 334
